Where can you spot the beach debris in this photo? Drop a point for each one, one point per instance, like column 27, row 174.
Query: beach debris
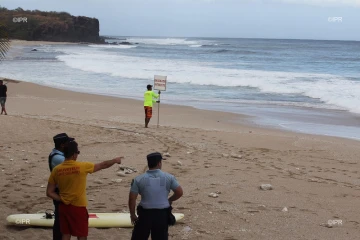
column 23, row 150
column 225, row 155
column 218, row 192
column 128, row 170
column 327, row 225
column 179, row 163
column 213, row 195
column 119, row 180
column 98, row 181
column 233, row 155
column 91, row 199
column 167, row 154
column 266, row 187
column 42, row 186
column 189, row 152
column 262, row 207
column 121, row 174
column 207, row 166
column 187, row 229
column 285, row 209
column 253, row 211
column 11, row 159
column 26, row 161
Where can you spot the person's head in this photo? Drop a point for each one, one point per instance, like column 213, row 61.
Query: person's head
column 71, row 150
column 154, row 160
column 149, row 87
column 1, row 82
column 60, row 141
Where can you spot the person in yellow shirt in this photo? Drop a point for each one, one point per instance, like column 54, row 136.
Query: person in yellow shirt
column 70, row 178
column 149, row 96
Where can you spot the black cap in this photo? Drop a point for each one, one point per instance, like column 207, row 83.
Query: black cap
column 154, row 156
column 62, row 138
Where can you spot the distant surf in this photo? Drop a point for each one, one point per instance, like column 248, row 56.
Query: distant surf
column 277, row 78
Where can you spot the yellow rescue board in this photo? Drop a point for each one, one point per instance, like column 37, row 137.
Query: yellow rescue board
column 96, row 220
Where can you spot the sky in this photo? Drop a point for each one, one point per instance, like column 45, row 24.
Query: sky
column 281, row 19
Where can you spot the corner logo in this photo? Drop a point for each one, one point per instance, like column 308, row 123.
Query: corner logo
column 335, row 19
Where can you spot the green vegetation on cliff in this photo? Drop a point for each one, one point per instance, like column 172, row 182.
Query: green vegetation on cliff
column 49, row 26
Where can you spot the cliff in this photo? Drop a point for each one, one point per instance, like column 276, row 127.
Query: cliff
column 49, row 26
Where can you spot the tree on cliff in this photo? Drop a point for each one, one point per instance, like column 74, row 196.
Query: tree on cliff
column 4, row 41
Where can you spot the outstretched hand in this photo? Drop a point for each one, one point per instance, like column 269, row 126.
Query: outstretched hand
column 118, row 160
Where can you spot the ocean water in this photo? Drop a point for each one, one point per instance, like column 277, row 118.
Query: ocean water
column 299, row 85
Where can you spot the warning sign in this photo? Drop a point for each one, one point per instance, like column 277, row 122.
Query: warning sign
column 160, row 83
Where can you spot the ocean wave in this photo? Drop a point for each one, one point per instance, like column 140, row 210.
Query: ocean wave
column 165, row 41
column 112, row 46
column 330, row 89
column 221, row 51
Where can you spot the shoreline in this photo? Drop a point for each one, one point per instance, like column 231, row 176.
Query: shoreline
column 296, row 119
column 241, row 119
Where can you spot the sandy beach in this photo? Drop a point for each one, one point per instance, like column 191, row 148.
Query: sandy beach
column 316, row 178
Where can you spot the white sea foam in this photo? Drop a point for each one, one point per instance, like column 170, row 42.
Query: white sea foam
column 331, row 89
column 164, row 41
column 196, row 45
column 112, row 46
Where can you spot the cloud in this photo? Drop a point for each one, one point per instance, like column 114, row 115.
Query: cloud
column 354, row 3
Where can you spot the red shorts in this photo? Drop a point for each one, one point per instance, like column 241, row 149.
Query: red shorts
column 148, row 112
column 74, row 220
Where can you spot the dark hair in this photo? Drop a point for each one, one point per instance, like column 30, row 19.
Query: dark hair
column 1, row 81
column 58, row 144
column 148, row 87
column 70, row 149
column 153, row 159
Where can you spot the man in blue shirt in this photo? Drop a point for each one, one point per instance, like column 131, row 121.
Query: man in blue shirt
column 57, row 157
column 155, row 207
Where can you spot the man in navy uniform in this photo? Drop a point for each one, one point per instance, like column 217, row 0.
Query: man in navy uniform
column 155, row 207
column 57, row 157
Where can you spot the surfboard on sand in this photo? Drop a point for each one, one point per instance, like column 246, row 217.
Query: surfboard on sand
column 96, row 220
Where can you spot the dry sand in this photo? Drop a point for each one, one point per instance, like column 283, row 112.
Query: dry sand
column 316, row 178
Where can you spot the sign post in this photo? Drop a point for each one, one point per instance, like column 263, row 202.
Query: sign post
column 159, row 84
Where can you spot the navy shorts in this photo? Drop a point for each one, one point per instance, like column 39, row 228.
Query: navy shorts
column 2, row 101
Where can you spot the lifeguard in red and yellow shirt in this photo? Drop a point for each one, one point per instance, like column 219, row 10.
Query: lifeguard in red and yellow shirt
column 70, row 178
